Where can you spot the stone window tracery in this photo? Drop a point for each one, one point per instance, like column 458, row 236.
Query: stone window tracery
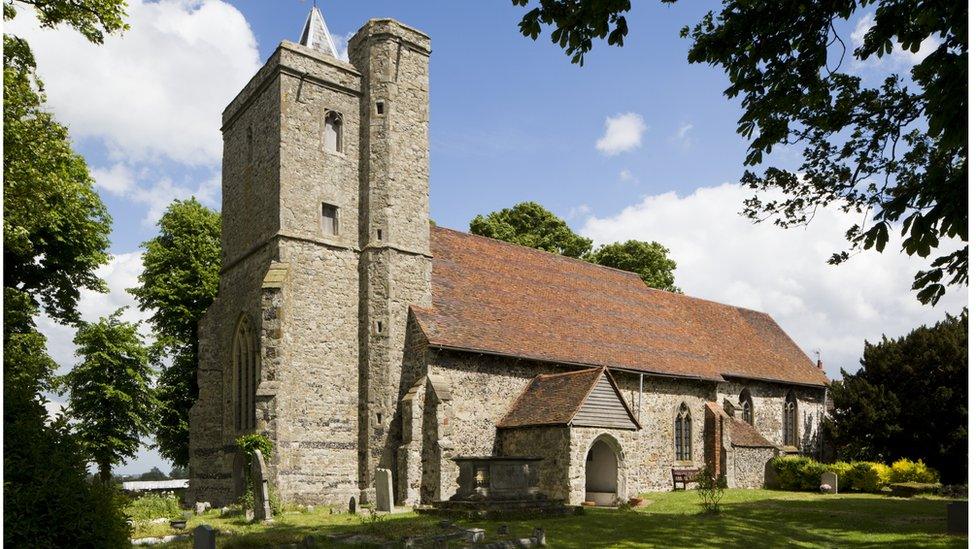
column 790, row 421
column 245, row 375
column 745, row 401
column 682, row 434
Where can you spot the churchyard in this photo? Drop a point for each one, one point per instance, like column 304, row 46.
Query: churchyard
column 760, row 518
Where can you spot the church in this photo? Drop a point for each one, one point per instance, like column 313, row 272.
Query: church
column 355, row 334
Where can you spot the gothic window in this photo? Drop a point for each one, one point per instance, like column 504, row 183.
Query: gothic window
column 333, row 132
column 682, row 434
column 745, row 401
column 790, row 421
column 245, row 375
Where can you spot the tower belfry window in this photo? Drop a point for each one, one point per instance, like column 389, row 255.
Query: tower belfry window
column 330, row 219
column 333, row 132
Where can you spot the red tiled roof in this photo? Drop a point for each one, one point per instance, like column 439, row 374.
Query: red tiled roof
column 494, row 297
column 551, row 399
column 743, row 434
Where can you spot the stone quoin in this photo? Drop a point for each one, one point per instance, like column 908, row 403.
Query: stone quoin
column 357, row 336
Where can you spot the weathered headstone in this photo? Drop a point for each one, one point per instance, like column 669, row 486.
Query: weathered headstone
column 249, row 515
column 353, row 505
column 204, row 537
column 540, row 536
column 259, row 476
column 384, row 490
column 958, row 519
column 202, row 507
column 829, row 479
column 474, row 535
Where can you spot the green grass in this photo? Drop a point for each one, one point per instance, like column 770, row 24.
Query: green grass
column 760, row 519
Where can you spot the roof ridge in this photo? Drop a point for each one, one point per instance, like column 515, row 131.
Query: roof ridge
column 537, row 250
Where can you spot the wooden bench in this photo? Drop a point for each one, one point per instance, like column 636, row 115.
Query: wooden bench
column 684, row 476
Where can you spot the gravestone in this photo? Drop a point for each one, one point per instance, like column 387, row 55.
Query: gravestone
column 259, row 476
column 958, row 519
column 202, row 507
column 384, row 490
column 353, row 505
column 829, row 479
column 204, row 537
column 474, row 535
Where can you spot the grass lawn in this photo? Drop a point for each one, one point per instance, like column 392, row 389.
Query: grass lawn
column 761, row 519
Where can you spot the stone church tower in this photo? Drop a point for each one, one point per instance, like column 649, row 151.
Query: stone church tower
column 326, row 243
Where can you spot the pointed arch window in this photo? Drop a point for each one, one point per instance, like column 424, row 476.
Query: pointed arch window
column 682, row 433
column 790, row 437
column 745, row 401
column 333, row 132
column 245, row 375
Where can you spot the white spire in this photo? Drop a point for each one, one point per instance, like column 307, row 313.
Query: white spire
column 316, row 34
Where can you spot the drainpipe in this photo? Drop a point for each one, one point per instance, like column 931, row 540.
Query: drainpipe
column 640, row 398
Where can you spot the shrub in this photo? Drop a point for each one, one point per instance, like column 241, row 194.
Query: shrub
column 906, row 470
column 48, row 499
column 843, row 471
column 152, row 506
column 796, row 473
column 869, row 476
column 710, row 489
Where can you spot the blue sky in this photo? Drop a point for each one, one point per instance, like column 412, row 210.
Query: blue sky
column 635, row 144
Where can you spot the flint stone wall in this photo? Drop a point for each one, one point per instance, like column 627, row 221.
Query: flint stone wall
column 552, row 444
column 768, row 400
column 749, row 466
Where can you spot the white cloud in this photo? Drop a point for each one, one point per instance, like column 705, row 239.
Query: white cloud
column 621, row 133
column 578, row 211
column 782, row 272
column 682, row 136
column 899, row 58
column 341, row 42
column 121, row 180
column 158, row 90
column 121, row 272
column 627, row 177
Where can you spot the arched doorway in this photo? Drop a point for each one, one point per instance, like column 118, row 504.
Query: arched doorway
column 601, row 473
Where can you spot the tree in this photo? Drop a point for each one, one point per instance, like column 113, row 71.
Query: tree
column 529, row 224
column 153, row 474
column 110, row 395
column 55, row 226
column 909, row 399
column 648, row 259
column 48, row 500
column 178, row 472
column 181, row 270
column 896, row 153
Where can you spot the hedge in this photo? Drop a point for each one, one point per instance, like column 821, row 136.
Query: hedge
column 801, row 473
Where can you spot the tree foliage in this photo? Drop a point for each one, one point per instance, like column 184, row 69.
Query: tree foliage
column 110, row 393
column 529, row 224
column 181, row 270
column 908, row 400
column 55, row 226
column 48, row 500
column 92, row 18
column 648, row 259
column 896, row 152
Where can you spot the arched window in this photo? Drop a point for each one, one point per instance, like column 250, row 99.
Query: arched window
column 245, row 375
column 682, row 434
column 333, row 132
column 789, row 421
column 745, row 401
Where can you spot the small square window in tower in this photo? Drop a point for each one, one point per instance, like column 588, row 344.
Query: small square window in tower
column 330, row 219
column 333, row 132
